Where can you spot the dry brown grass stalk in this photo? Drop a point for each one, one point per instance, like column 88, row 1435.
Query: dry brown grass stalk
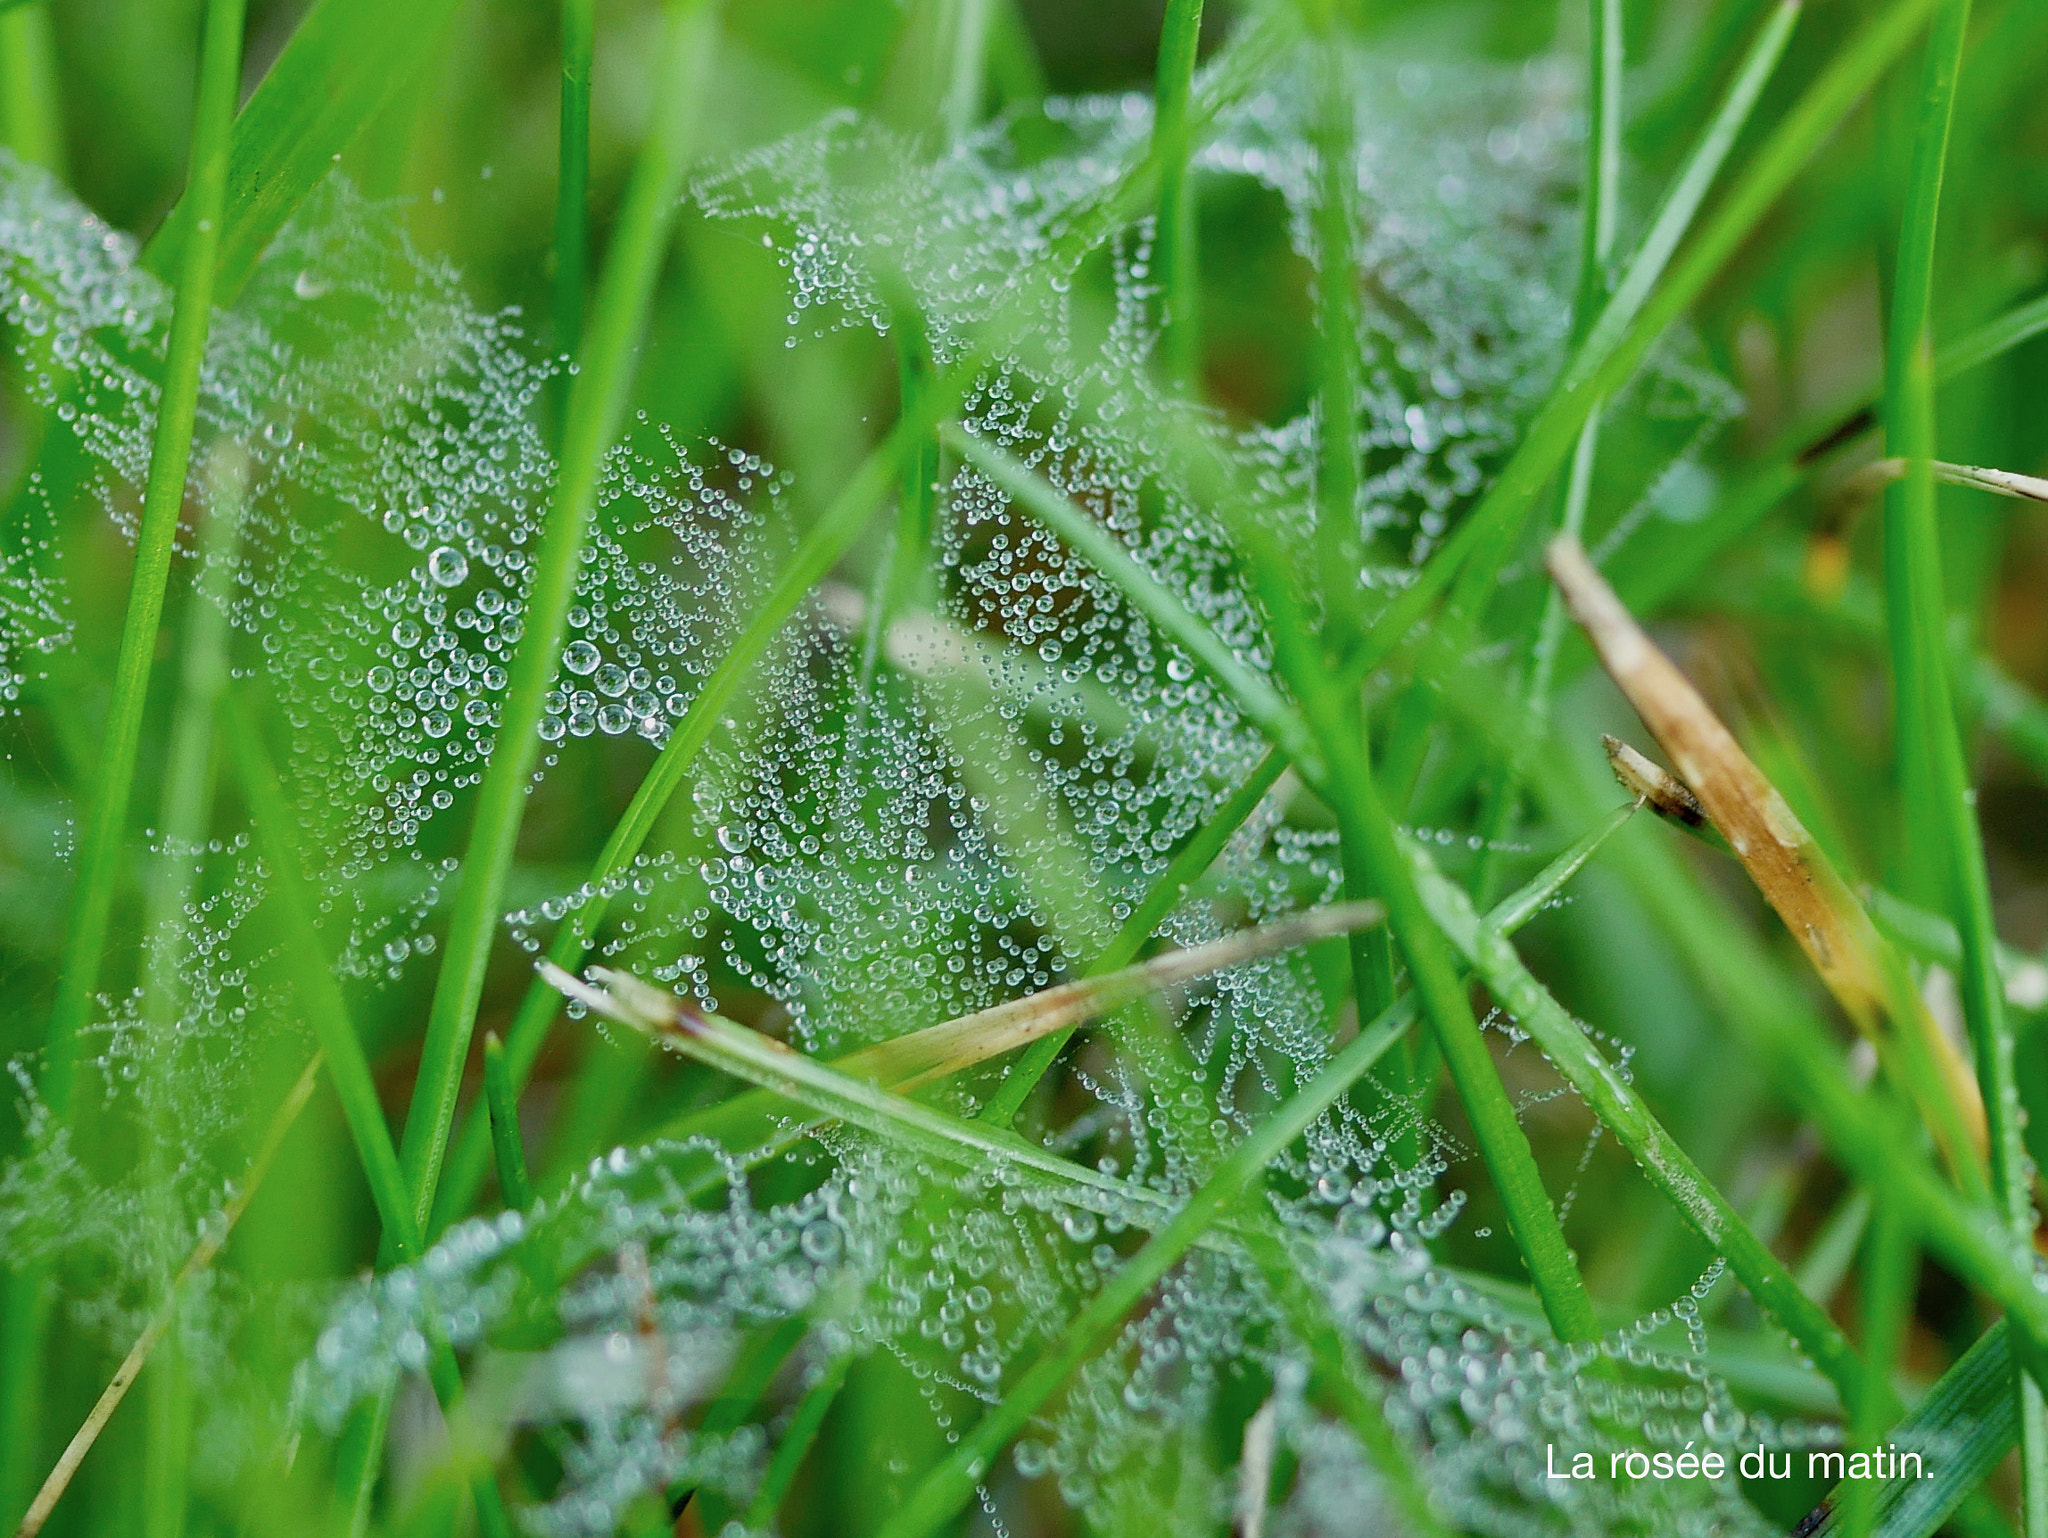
column 1789, row 868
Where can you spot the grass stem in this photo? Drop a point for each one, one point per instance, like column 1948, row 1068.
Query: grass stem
column 597, row 402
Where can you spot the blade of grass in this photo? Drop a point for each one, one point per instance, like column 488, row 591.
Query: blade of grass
column 319, row 997
column 946, row 1488
column 1353, row 794
column 105, row 813
column 503, row 1102
column 1876, row 1144
column 1175, row 257
column 345, row 63
column 572, row 177
column 1333, row 761
column 1605, row 55
column 1940, row 819
column 1340, row 555
column 1972, row 1415
column 1621, row 1109
column 1886, row 1289
column 1339, row 550
column 597, row 400
column 213, row 1238
column 102, row 841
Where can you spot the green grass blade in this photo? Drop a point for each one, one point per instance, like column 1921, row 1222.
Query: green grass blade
column 946, row 1488
column 1874, row 1141
column 1663, row 1161
column 1972, row 1414
column 1596, row 254
column 1639, row 312
column 503, row 1104
column 182, row 818
column 30, row 121
column 345, row 63
column 1354, row 796
column 1175, row 255
column 1940, row 821
column 596, row 402
column 105, row 814
column 572, row 177
column 102, row 842
column 1340, row 556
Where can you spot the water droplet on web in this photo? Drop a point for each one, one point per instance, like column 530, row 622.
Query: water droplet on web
column 447, row 566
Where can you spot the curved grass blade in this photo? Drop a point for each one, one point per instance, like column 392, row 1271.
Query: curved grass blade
column 345, row 63
column 1940, row 828
column 596, row 403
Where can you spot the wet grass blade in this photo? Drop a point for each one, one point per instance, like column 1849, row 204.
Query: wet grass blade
column 502, row 1102
column 105, row 813
column 942, row 1492
column 572, row 176
column 1611, row 1098
column 1972, row 1416
column 596, row 402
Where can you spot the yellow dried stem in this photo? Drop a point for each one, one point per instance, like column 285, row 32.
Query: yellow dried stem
column 1789, row 868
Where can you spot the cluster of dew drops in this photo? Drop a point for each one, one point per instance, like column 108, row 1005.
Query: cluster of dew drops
column 864, row 844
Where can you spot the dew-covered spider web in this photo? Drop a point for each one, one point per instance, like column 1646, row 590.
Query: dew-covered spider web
column 935, row 797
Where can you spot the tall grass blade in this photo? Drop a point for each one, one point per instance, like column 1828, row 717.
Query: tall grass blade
column 105, row 813
column 596, row 403
column 1180, row 36
column 1940, row 822
column 572, row 177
